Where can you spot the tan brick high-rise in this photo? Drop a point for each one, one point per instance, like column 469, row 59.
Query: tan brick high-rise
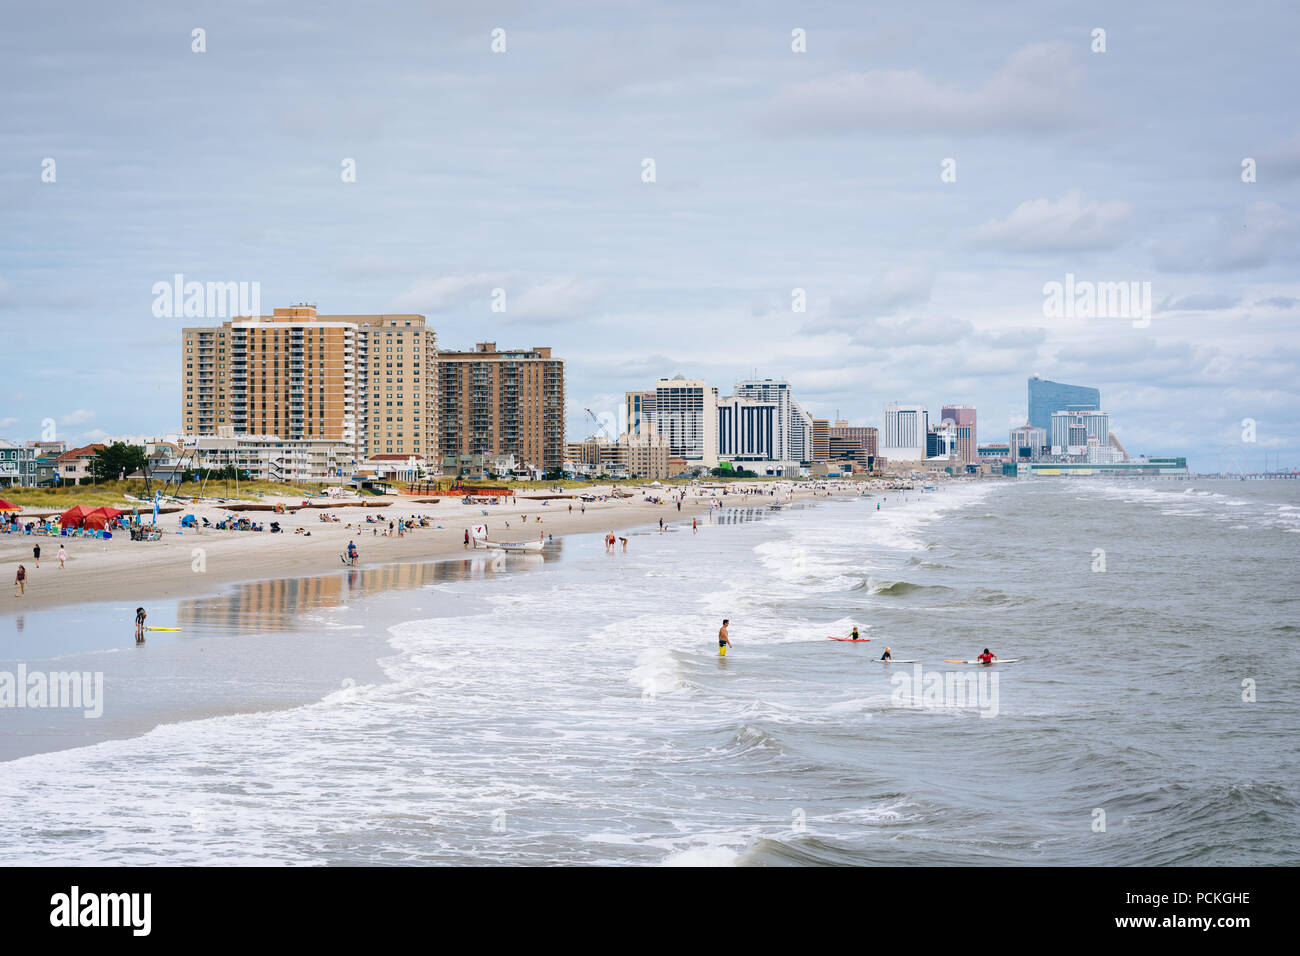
column 368, row 381
column 498, row 402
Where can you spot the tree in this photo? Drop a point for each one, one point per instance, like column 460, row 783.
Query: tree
column 116, row 459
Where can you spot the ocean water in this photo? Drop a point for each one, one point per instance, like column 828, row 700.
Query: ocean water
column 574, row 709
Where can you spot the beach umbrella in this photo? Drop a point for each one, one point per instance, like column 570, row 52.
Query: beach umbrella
column 73, row 517
column 100, row 517
column 6, row 506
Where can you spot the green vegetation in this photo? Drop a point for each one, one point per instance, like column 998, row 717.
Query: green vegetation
column 111, row 493
column 118, row 458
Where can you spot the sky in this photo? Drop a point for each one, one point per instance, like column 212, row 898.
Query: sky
column 921, row 172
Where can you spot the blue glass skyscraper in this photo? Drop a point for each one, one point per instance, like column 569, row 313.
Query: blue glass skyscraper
column 1046, row 397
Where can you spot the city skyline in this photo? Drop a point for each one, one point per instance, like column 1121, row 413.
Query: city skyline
column 782, row 180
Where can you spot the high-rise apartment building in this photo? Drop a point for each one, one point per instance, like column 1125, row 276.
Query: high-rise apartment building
column 1047, row 397
column 499, row 402
column 367, row 381
column 904, row 432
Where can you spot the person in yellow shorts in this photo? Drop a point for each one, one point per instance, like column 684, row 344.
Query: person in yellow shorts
column 723, row 640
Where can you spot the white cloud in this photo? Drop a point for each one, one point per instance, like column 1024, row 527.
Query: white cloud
column 1034, row 89
column 1245, row 240
column 81, row 416
column 1066, row 224
column 448, row 292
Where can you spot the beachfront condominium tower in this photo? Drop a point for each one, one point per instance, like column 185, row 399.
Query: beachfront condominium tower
column 502, row 402
column 904, row 431
column 1047, row 397
column 366, row 381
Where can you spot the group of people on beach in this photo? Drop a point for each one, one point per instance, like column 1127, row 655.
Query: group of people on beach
column 20, row 578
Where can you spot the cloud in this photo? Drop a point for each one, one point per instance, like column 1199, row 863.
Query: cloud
column 554, row 300
column 1067, row 224
column 551, row 300
column 1245, row 240
column 448, row 292
column 1200, row 302
column 1034, row 89
column 1280, row 163
column 81, row 416
column 1280, row 301
column 915, row 330
column 8, row 422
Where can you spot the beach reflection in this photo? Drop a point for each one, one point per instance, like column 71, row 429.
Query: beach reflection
column 272, row 604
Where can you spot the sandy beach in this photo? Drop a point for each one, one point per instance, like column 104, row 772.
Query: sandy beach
column 200, row 562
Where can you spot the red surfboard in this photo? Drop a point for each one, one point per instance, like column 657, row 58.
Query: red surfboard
column 850, row 640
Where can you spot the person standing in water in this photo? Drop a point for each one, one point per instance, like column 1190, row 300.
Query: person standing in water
column 140, row 616
column 988, row 657
column 724, row 641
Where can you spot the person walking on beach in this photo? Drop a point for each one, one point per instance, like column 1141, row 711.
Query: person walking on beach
column 20, row 582
column 62, row 556
column 467, row 539
column 36, row 554
column 695, row 526
column 352, row 554
column 724, row 641
column 140, row 616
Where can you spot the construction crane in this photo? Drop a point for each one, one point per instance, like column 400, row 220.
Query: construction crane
column 596, row 420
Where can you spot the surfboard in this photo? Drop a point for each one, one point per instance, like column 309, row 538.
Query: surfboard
column 162, row 628
column 1005, row 660
column 849, row 640
column 894, row 660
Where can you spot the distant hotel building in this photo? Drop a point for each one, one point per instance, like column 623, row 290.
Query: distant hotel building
column 1028, row 443
column 904, row 432
column 963, row 416
column 681, row 411
column 1072, row 432
column 1046, row 397
column 495, row 402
